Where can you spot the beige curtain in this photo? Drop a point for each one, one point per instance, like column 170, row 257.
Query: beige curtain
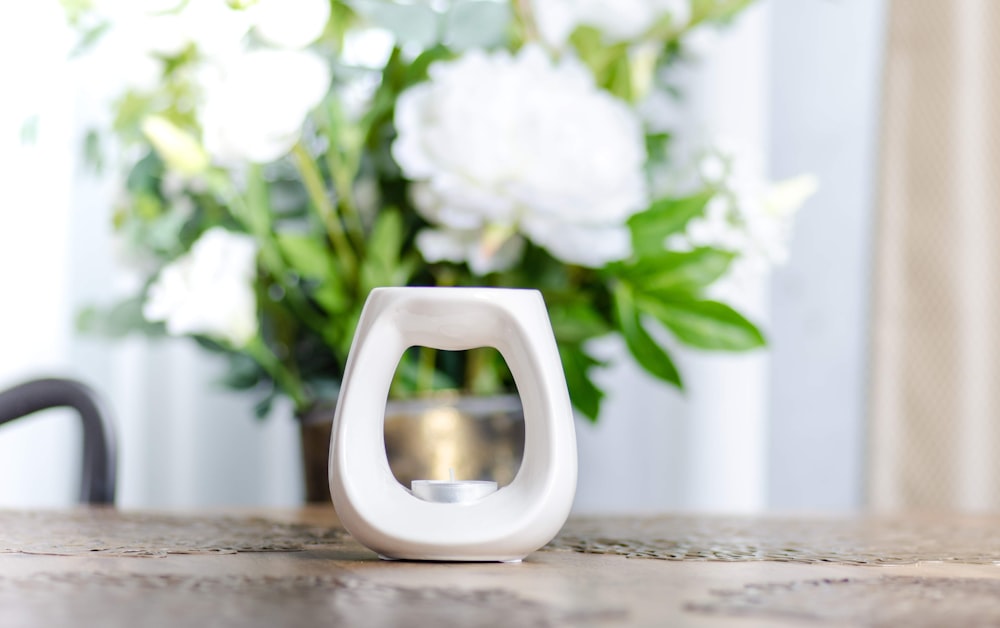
column 935, row 395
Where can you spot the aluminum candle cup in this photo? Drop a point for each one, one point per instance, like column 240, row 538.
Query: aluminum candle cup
column 452, row 492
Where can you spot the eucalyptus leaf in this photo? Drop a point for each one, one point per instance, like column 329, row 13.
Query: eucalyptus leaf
column 145, row 174
column 119, row 320
column 93, row 154
column 416, row 23
column 477, row 24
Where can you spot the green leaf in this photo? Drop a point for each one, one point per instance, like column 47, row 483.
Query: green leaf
column 331, row 296
column 619, row 79
column 418, row 70
column 584, row 394
column 704, row 324
column 381, row 266
column 129, row 110
column 717, row 10
column 258, row 203
column 263, row 407
column 684, row 273
column 656, row 146
column 342, row 18
column 145, row 174
column 485, row 371
column 663, row 218
column 650, row 356
column 608, row 63
column 576, row 322
column 305, row 255
column 406, row 379
column 243, row 374
column 93, row 155
column 386, row 238
column 733, row 7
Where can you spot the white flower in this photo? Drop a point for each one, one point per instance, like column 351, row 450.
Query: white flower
column 367, row 48
column 290, row 23
column 255, row 109
column 750, row 216
column 485, row 252
column 521, row 143
column 618, row 20
column 209, row 291
column 167, row 28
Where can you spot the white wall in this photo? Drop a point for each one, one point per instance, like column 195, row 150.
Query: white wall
column 38, row 458
column 826, row 60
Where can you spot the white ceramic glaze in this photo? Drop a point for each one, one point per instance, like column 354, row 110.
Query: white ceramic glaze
column 504, row 526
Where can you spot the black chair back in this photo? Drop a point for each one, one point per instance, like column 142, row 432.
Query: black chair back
column 98, row 478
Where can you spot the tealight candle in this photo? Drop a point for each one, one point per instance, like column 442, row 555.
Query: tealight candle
column 452, row 491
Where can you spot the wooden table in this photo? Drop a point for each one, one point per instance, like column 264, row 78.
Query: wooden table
column 298, row 568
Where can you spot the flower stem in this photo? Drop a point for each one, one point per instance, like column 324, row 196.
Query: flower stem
column 522, row 9
column 343, row 169
column 473, row 368
column 425, row 370
column 282, row 376
column 313, row 181
column 342, row 182
column 254, row 213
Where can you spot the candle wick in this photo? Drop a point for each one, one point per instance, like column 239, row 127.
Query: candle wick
column 451, row 474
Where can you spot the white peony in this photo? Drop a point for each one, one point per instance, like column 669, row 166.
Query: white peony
column 618, row 20
column 483, row 253
column 368, row 47
column 209, row 291
column 520, row 143
column 167, row 28
column 290, row 23
column 255, row 108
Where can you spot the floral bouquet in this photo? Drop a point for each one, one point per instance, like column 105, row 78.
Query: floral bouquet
column 284, row 157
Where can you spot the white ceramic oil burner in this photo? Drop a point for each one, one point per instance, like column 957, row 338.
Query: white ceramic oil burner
column 441, row 520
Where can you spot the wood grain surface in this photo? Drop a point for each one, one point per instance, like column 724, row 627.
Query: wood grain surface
column 298, row 568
